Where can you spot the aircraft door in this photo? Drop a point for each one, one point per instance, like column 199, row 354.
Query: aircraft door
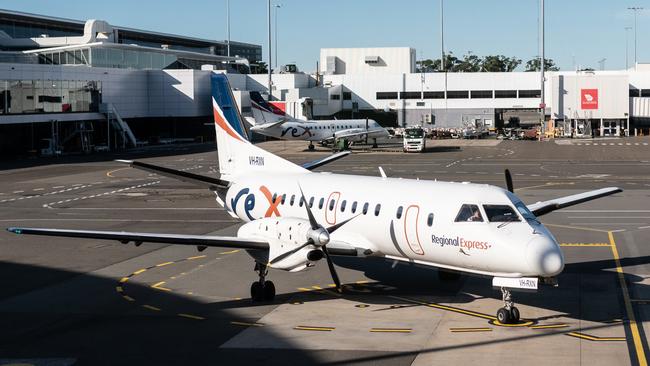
column 331, row 206
column 411, row 220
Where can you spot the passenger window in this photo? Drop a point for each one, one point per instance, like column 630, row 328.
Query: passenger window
column 293, row 198
column 469, row 213
column 343, row 203
column 275, row 196
column 320, row 203
column 301, row 202
column 332, row 202
column 284, row 197
column 365, row 208
column 354, row 206
column 311, row 202
column 500, row 213
column 430, row 220
column 399, row 212
column 377, row 209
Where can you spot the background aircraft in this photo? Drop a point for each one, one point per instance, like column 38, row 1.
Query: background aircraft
column 295, row 217
column 273, row 122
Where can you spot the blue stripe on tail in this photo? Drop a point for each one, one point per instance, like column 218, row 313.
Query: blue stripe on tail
column 222, row 94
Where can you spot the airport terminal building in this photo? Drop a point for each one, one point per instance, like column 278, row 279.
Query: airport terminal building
column 83, row 86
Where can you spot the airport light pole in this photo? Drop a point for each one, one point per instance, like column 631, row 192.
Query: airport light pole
column 635, row 9
column 277, row 6
column 542, row 104
column 228, row 24
column 442, row 36
column 627, row 52
column 268, row 13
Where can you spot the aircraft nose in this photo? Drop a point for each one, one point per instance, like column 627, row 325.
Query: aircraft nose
column 544, row 257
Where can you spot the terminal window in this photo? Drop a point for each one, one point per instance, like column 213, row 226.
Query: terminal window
column 645, row 92
column 505, row 94
column 457, row 94
column 347, row 96
column 386, row 95
column 635, row 93
column 410, row 95
column 433, row 95
column 481, row 94
column 335, row 96
column 529, row 94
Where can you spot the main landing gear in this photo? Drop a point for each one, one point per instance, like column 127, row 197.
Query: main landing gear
column 374, row 144
column 311, row 146
column 508, row 314
column 262, row 290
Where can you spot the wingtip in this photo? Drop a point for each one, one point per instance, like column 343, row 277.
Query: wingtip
column 14, row 230
column 124, row 161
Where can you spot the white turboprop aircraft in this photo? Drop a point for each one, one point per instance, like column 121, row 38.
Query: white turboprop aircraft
column 295, row 217
column 273, row 122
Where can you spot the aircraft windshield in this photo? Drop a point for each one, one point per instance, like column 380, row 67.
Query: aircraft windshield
column 469, row 213
column 521, row 207
column 500, row 213
column 414, row 133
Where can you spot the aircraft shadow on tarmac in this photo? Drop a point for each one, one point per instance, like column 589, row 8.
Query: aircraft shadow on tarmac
column 53, row 313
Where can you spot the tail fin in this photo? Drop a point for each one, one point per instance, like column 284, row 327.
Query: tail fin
column 263, row 111
column 237, row 155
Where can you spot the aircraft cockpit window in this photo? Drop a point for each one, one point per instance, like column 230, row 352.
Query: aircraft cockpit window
column 500, row 213
column 469, row 213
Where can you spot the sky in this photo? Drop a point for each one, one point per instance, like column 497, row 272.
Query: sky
column 579, row 33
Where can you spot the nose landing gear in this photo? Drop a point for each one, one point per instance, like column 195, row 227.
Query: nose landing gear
column 508, row 314
column 262, row 290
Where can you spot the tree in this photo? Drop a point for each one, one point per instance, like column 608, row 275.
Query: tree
column 549, row 65
column 499, row 63
column 259, row 68
column 427, row 65
column 469, row 63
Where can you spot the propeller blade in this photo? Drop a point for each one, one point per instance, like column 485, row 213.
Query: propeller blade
column 333, row 228
column 312, row 221
column 292, row 251
column 509, row 181
column 330, row 264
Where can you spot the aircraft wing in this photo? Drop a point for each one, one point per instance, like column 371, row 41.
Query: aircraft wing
column 350, row 134
column 326, row 160
column 542, row 208
column 201, row 241
column 269, row 125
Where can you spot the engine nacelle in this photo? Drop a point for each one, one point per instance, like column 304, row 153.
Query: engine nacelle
column 284, row 235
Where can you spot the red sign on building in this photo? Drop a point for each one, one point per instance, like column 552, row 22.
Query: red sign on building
column 589, row 98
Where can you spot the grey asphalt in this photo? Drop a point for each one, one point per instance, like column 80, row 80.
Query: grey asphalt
column 84, row 302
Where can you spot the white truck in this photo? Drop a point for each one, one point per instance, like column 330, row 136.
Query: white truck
column 414, row 139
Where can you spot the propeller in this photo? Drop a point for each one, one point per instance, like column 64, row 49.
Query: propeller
column 319, row 237
column 509, row 185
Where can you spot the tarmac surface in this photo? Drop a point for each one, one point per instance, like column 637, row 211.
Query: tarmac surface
column 86, row 302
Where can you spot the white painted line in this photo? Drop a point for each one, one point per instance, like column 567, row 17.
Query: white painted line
column 57, row 187
column 644, row 227
column 78, row 184
column 39, row 189
column 17, row 191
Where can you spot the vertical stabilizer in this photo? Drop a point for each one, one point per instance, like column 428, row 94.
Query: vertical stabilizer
column 237, row 156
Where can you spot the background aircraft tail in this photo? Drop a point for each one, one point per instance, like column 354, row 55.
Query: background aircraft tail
column 265, row 112
column 237, row 155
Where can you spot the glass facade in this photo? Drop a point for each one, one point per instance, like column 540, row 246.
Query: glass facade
column 19, row 28
column 49, row 96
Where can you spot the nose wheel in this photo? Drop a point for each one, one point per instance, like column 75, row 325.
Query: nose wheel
column 508, row 314
column 262, row 290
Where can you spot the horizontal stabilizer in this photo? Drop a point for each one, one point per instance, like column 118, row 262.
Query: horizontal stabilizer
column 178, row 174
column 326, row 160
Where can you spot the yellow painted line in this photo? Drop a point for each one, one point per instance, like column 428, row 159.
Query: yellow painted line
column 304, row 289
column 139, row 271
column 195, row 257
column 150, row 307
column 317, row 287
column 638, row 344
column 119, row 288
column 230, row 252
column 585, row 245
column 110, row 173
column 128, row 298
column 164, row 264
column 549, row 326
column 247, row 324
column 158, row 286
column 448, row 308
column 462, row 330
column 331, row 285
column 596, row 339
column 190, row 316
column 318, row 329
column 391, row 330
column 124, row 279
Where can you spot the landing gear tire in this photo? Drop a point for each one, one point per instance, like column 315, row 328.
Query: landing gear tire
column 374, row 144
column 503, row 316
column 311, row 147
column 514, row 315
column 269, row 291
column 257, row 292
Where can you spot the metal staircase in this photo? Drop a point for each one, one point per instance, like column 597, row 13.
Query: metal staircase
column 114, row 119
